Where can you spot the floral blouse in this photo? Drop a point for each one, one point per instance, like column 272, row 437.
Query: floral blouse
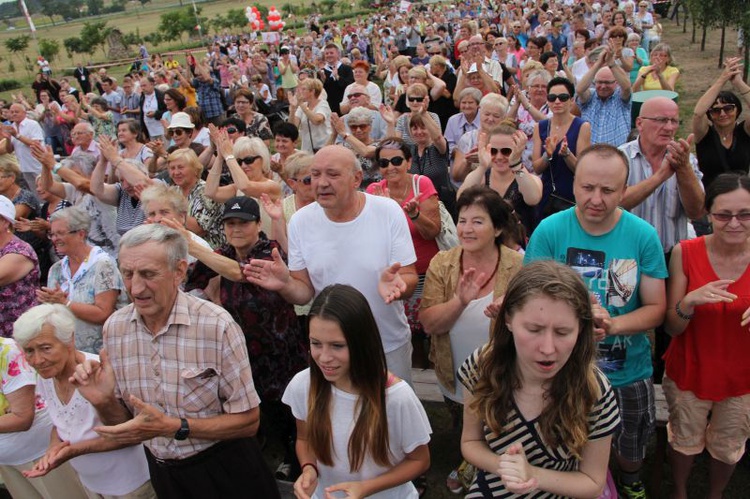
column 207, row 213
column 19, row 296
column 259, row 127
column 276, row 343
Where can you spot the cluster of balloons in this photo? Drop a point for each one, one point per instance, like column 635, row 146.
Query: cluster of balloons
column 256, row 21
column 274, row 19
column 253, row 18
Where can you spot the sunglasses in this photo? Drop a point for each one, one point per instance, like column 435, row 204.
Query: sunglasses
column 505, row 151
column 726, row 217
column 416, row 99
column 560, row 97
column 726, row 109
column 180, row 131
column 305, row 180
column 231, row 129
column 395, row 161
column 362, row 126
column 249, row 160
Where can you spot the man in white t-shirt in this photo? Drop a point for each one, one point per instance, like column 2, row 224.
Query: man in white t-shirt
column 22, row 133
column 348, row 237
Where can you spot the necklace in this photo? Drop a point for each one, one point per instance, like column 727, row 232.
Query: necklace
column 492, row 275
column 403, row 196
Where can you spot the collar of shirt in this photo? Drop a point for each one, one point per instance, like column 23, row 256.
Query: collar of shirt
column 178, row 315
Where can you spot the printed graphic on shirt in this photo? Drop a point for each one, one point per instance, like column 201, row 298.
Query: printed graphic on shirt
column 611, row 356
column 614, row 285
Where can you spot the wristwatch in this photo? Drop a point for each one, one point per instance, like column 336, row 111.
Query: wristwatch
column 184, row 430
column 231, row 156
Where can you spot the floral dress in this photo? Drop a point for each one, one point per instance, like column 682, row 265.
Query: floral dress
column 19, row 296
column 104, row 126
column 276, row 343
column 259, row 127
column 207, row 213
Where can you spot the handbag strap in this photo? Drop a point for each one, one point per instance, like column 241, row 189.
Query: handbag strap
column 551, row 174
column 309, row 130
column 415, row 186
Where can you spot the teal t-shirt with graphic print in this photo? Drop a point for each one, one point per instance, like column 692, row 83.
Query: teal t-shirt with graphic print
column 611, row 265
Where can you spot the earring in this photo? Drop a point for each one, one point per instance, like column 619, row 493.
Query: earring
column 509, row 328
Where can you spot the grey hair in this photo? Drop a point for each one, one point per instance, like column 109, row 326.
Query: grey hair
column 539, row 74
column 86, row 125
column 175, row 245
column 472, row 92
column 297, row 162
column 159, row 191
column 359, row 115
column 494, row 100
column 57, row 316
column 633, row 36
column 84, row 161
column 77, row 218
column 254, row 146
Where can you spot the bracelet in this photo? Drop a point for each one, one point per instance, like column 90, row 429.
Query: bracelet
column 545, row 157
column 56, row 168
column 344, row 137
column 413, row 218
column 68, row 304
column 514, row 164
column 682, row 315
column 313, row 467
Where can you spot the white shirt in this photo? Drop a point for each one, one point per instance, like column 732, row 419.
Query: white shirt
column 154, row 126
column 31, row 130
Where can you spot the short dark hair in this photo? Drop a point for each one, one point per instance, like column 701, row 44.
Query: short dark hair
column 547, row 56
column 538, row 41
column 584, row 33
column 606, row 151
column 235, row 122
column 286, row 130
column 393, row 143
column 177, row 97
column 559, row 80
column 727, row 97
column 724, row 183
column 491, row 202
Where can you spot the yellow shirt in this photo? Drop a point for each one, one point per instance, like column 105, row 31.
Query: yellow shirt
column 652, row 82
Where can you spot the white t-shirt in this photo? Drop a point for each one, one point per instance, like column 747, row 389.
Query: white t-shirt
column 356, row 253
column 31, row 130
column 320, row 133
column 20, row 447
column 408, row 428
column 117, row 472
column 154, row 126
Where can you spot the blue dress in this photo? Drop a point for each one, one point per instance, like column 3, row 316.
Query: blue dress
column 557, row 169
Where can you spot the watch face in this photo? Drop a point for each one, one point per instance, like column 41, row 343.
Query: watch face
column 184, row 430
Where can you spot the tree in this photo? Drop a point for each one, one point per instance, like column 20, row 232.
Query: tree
column 95, row 7
column 49, row 48
column 74, row 45
column 328, row 5
column 170, row 26
column 236, row 18
column 49, row 8
column 94, row 34
column 18, row 44
column 144, row 2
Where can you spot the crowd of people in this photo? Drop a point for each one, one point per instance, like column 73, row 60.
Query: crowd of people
column 260, row 240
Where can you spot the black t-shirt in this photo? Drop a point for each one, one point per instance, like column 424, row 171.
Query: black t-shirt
column 443, row 106
column 715, row 159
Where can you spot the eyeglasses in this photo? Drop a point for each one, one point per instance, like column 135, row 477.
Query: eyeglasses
column 249, row 160
column 231, row 129
column 58, row 235
column 356, row 94
column 605, row 82
column 180, row 131
column 505, row 151
column 415, row 99
column 726, row 109
column 305, row 180
column 727, row 217
column 242, row 101
column 560, row 97
column 360, row 126
column 661, row 121
column 395, row 161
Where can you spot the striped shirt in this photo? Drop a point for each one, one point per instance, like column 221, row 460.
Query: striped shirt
column 663, row 209
column 196, row 367
column 604, row 418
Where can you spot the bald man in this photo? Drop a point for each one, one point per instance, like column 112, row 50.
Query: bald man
column 608, row 107
column 348, row 237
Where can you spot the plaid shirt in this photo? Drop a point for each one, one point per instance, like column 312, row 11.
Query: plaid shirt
column 197, row 367
column 610, row 119
column 209, row 97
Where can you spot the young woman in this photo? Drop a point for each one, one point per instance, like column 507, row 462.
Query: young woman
column 360, row 430
column 534, row 391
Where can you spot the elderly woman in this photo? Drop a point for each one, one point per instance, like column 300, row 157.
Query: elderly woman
column 660, row 74
column 395, row 78
column 530, row 106
column 129, row 138
column 359, row 140
column 640, row 55
column 557, row 141
column 203, row 213
column 19, row 271
column 361, row 70
column 274, row 337
column 105, row 468
column 100, row 117
column 460, row 284
column 250, row 166
column 473, row 75
column 493, row 109
column 25, row 428
column 311, row 114
column 467, row 119
column 86, row 280
column 418, row 99
column 256, row 125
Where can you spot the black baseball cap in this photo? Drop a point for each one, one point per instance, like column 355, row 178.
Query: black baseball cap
column 241, row 207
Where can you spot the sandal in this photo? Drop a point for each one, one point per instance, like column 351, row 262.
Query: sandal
column 420, row 483
column 453, row 483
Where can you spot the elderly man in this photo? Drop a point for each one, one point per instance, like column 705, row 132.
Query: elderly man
column 618, row 256
column 336, row 76
column 151, row 106
column 324, row 236
column 607, row 109
column 21, row 134
column 175, row 375
column 664, row 185
column 82, row 137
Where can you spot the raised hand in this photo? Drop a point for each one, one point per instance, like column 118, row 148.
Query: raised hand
column 149, row 422
column 44, row 154
column 271, row 207
column 391, row 285
column 678, row 153
column 272, row 275
column 338, row 124
column 95, row 380
column 550, row 144
column 52, row 295
column 386, row 112
column 493, row 309
column 469, row 285
column 519, row 146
